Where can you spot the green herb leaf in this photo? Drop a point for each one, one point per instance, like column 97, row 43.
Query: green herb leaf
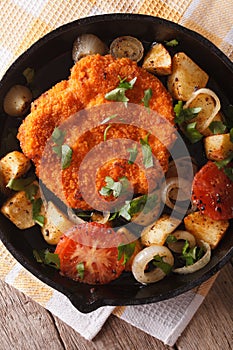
column 106, row 131
column 133, row 154
column 127, row 85
column 229, row 173
column 66, row 156
column 29, row 74
column 36, row 208
column 223, row 163
column 231, row 135
column 217, row 127
column 47, row 258
column 80, row 269
column 31, row 191
column 124, row 211
column 58, row 136
column 192, row 133
column 126, row 250
column 114, row 187
column 118, row 94
column 20, row 184
column 191, row 255
column 57, row 150
column 158, row 262
column 172, row 43
column 106, row 120
column 171, row 239
column 147, row 97
column 184, row 114
column 146, row 153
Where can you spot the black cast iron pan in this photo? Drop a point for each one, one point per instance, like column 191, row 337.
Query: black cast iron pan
column 51, row 59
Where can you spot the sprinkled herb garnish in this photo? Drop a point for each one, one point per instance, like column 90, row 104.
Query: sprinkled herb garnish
column 133, row 154
column 106, row 131
column 158, row 262
column 116, row 188
column 80, row 269
column 118, row 94
column 172, row 43
column 126, row 250
column 217, row 127
column 146, row 152
column 147, row 97
column 47, row 258
column 106, row 120
column 62, row 150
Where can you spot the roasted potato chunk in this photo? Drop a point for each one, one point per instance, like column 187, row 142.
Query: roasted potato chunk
column 218, row 147
column 14, row 165
column 158, row 60
column 157, row 232
column 205, row 228
column 19, row 210
column 186, row 77
column 56, row 223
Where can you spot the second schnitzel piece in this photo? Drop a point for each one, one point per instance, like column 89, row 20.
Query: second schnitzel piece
column 72, row 107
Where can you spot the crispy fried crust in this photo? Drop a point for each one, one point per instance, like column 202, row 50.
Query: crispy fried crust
column 91, row 78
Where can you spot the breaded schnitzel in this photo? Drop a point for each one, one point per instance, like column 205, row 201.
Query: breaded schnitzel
column 90, row 79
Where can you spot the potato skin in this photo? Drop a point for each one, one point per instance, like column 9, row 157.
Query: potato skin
column 14, row 165
column 218, row 147
column 158, row 60
column 206, row 229
column 186, row 77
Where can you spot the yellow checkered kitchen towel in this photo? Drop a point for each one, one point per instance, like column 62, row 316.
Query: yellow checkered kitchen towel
column 25, row 21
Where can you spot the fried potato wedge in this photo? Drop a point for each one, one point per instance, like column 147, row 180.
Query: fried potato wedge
column 158, row 60
column 14, row 165
column 186, row 77
column 205, row 229
column 218, row 147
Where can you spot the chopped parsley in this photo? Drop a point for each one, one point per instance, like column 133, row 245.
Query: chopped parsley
column 20, row 184
column 191, row 255
column 192, row 133
column 223, row 164
column 47, row 258
column 36, row 208
column 106, row 120
column 158, row 262
column 171, row 239
column 124, row 211
column 118, row 94
column 106, row 131
column 172, row 43
column 147, row 97
column 80, row 269
column 62, row 150
column 115, row 188
column 126, row 251
column 66, row 156
column 217, row 127
column 133, row 154
column 184, row 114
column 146, row 152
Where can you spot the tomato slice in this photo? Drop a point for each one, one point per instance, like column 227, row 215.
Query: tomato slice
column 88, row 253
column 212, row 192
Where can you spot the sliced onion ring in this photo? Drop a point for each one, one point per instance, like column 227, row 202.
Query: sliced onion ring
column 73, row 217
column 181, row 235
column 184, row 193
column 215, row 110
column 197, row 265
column 143, row 258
